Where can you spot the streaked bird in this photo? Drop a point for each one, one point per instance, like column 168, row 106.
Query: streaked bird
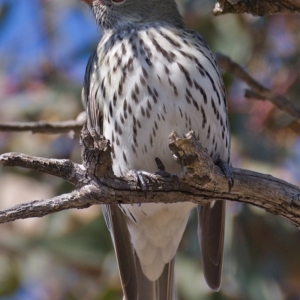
column 149, row 76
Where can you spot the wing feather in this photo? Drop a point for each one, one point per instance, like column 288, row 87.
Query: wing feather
column 211, row 224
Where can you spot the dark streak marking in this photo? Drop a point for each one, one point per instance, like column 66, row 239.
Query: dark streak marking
column 203, row 117
column 142, row 80
column 122, row 119
column 145, row 72
column 199, row 88
column 208, row 132
column 113, row 151
column 170, row 40
column 153, row 131
column 125, row 158
column 110, row 109
column 112, row 137
column 133, row 217
column 134, row 96
column 136, row 88
column 186, row 74
column 180, row 112
column 149, row 90
column 133, row 149
column 149, row 105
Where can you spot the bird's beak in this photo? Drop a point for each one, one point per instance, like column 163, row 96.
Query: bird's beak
column 89, row 2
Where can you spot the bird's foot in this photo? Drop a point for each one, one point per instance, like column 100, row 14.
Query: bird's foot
column 294, row 200
column 141, row 178
column 226, row 168
column 161, row 169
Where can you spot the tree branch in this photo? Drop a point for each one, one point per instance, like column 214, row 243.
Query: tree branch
column 45, row 127
column 258, row 90
column 81, row 198
column 201, row 181
column 63, row 168
column 256, row 7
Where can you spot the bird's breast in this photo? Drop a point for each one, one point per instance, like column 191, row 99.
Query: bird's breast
column 151, row 84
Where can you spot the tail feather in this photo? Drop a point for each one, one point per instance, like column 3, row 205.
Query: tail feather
column 211, row 221
column 161, row 289
column 125, row 256
column 136, row 286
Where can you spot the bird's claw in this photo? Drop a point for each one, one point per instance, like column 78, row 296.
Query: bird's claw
column 294, row 200
column 226, row 168
column 141, row 177
column 162, row 170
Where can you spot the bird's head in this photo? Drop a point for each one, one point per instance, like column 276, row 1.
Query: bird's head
column 112, row 14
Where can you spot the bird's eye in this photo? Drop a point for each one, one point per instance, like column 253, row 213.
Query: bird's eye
column 118, row 1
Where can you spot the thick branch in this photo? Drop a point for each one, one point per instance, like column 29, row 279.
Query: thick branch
column 256, row 7
column 258, row 90
column 202, row 181
column 265, row 191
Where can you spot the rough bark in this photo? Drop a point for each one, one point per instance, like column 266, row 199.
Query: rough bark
column 201, row 181
column 257, row 7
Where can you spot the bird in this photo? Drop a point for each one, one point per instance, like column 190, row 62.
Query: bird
column 149, row 76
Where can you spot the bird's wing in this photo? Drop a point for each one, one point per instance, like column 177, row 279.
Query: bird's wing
column 211, row 216
column 134, row 283
column 124, row 252
column 112, row 214
column 211, row 223
column 89, row 95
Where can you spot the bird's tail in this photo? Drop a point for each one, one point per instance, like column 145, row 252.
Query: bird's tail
column 161, row 289
column 211, row 238
column 136, row 286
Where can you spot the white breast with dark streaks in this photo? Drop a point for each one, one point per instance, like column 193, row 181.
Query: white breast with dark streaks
column 154, row 81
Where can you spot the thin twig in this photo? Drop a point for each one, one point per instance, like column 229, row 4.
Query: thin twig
column 82, row 198
column 63, row 168
column 260, row 91
column 44, row 127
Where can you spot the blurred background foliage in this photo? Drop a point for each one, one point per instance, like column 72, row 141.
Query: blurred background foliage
column 44, row 47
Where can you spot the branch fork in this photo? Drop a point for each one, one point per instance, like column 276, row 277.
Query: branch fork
column 200, row 181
